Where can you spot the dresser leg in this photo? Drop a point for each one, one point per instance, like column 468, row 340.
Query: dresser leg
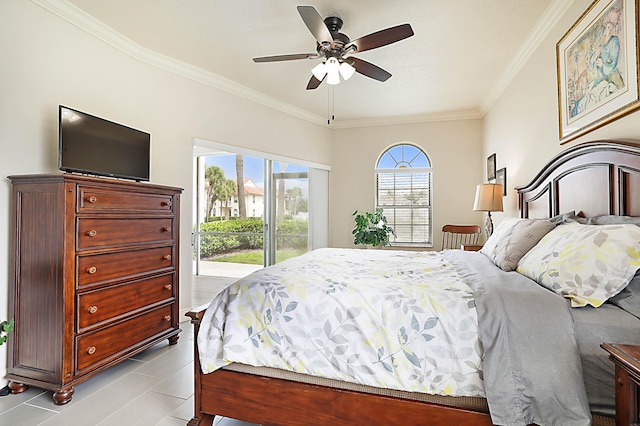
column 203, row 420
column 63, row 396
column 17, row 387
column 173, row 339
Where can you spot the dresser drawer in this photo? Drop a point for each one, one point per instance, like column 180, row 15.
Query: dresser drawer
column 106, row 232
column 112, row 342
column 99, row 268
column 100, row 305
column 96, row 199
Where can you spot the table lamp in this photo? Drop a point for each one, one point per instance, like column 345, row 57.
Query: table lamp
column 488, row 199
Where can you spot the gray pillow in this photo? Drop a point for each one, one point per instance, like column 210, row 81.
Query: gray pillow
column 513, row 239
column 629, row 298
column 568, row 217
column 613, row 220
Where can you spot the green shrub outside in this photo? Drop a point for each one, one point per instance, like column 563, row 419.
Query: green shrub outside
column 289, row 235
column 293, row 234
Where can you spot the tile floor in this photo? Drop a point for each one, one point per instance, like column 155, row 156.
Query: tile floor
column 154, row 387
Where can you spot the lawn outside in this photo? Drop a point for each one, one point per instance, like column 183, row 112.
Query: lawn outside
column 253, row 257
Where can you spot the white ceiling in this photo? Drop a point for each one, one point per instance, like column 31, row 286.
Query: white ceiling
column 462, row 54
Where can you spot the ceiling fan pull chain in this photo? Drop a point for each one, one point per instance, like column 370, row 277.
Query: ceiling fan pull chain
column 331, row 116
column 333, row 109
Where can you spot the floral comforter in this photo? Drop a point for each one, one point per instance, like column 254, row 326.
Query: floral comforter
column 391, row 319
column 448, row 323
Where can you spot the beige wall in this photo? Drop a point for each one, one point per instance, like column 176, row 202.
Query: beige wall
column 522, row 126
column 454, row 148
column 46, row 62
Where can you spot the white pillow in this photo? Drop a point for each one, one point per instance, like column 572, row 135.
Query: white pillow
column 585, row 263
column 512, row 239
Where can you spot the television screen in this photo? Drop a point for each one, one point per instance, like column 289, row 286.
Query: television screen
column 92, row 145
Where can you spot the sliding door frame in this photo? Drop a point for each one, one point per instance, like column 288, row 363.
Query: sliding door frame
column 204, row 147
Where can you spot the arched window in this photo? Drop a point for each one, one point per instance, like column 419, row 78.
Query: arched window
column 403, row 192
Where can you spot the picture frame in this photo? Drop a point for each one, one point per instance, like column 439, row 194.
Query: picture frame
column 491, row 166
column 597, row 68
column 501, row 178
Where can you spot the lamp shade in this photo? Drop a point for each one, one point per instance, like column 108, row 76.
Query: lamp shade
column 319, row 71
column 488, row 197
column 333, row 71
column 346, row 70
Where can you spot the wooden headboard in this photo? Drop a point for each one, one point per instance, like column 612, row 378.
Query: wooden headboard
column 595, row 178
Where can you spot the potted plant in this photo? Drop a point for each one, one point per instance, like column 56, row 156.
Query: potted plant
column 372, row 229
column 5, row 328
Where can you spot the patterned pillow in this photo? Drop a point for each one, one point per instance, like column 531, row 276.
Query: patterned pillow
column 585, row 263
column 512, row 239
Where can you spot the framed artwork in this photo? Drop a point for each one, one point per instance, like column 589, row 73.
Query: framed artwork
column 501, row 178
column 491, row 167
column 597, row 62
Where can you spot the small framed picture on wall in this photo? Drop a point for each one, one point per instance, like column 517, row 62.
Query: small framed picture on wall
column 501, row 178
column 491, row 167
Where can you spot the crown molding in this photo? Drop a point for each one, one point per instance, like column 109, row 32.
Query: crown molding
column 89, row 24
column 547, row 21
column 94, row 27
column 408, row 119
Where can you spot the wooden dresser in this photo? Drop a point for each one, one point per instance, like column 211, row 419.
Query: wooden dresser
column 95, row 276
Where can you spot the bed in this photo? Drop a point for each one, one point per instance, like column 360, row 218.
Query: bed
column 591, row 180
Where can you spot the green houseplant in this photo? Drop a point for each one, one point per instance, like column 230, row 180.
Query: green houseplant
column 5, row 328
column 372, row 228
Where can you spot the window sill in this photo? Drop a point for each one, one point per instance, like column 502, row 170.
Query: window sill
column 411, row 246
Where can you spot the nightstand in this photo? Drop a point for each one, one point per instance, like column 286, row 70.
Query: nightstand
column 470, row 247
column 627, row 379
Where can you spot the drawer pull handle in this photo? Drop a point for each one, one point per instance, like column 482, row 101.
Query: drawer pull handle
column 167, row 317
column 91, row 350
column 93, row 309
column 168, row 287
column 92, row 233
column 167, row 203
column 167, row 257
column 92, row 199
column 92, row 270
column 167, row 229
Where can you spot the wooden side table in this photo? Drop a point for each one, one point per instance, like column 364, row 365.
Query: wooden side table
column 470, row 247
column 627, row 361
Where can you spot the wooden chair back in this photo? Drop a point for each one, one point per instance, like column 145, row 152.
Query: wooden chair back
column 453, row 236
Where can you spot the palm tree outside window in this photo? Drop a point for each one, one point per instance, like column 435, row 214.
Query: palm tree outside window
column 403, row 191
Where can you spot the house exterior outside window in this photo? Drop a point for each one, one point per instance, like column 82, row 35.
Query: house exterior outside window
column 403, row 191
column 229, row 207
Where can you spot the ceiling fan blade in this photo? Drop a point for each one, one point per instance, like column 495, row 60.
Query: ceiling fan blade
column 315, row 23
column 368, row 69
column 382, row 37
column 292, row 57
column 314, row 83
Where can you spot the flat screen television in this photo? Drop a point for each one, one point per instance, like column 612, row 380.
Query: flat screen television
column 95, row 146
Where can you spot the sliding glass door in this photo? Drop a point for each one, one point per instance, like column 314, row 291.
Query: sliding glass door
column 250, row 210
column 287, row 218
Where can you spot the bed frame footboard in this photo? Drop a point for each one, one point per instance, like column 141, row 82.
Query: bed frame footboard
column 273, row 401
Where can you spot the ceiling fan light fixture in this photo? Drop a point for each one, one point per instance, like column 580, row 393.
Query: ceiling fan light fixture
column 333, row 71
column 333, row 78
column 346, row 71
column 335, row 48
column 319, row 71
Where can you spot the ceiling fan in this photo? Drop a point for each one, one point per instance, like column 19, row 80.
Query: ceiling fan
column 337, row 49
